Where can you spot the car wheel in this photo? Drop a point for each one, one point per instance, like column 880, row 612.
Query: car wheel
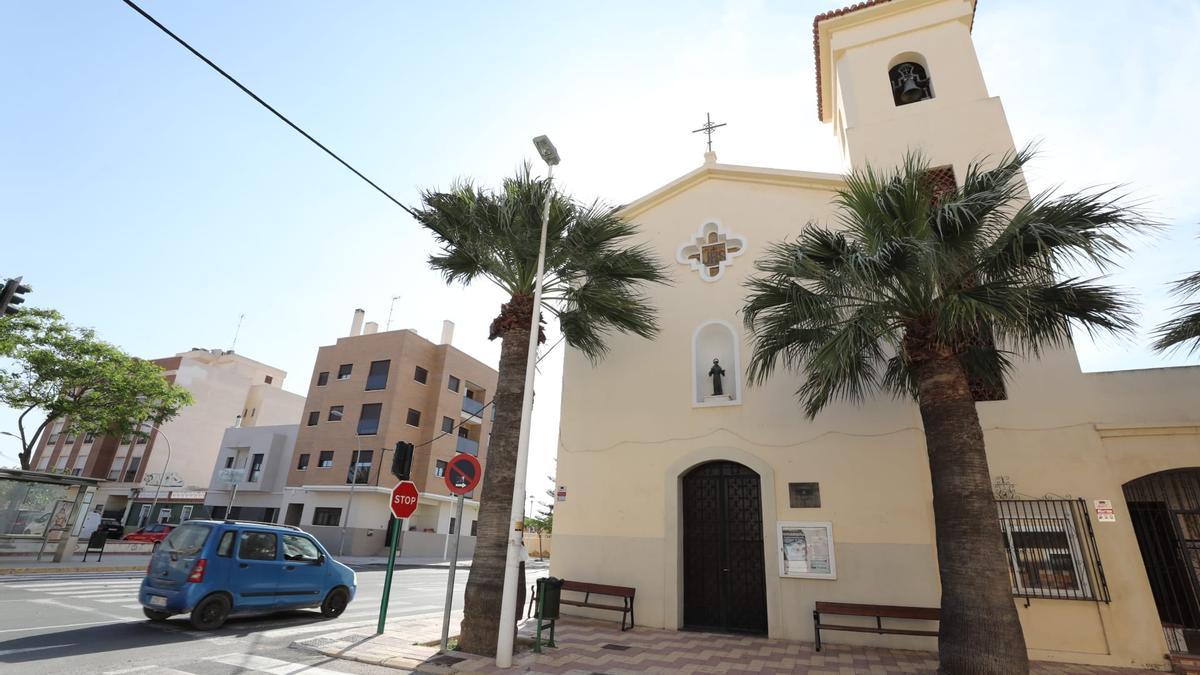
column 335, row 603
column 155, row 615
column 211, row 613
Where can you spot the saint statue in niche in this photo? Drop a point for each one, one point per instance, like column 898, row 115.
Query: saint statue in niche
column 715, row 373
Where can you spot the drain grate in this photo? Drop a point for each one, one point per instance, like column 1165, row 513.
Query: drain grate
column 616, row 648
column 445, row 660
column 317, row 642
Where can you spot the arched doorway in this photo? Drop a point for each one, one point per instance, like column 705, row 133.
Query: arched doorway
column 724, row 582
column 1164, row 509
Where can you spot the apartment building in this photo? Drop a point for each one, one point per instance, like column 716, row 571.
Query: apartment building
column 369, row 391
column 173, row 465
column 251, row 472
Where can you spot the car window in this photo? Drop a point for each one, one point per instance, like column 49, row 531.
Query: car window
column 300, row 549
column 188, row 539
column 257, row 546
column 225, row 547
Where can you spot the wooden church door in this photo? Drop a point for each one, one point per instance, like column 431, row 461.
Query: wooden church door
column 724, row 584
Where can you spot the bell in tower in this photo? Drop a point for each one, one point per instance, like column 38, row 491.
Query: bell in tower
column 909, row 83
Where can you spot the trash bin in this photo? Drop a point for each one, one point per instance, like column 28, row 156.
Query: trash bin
column 549, row 592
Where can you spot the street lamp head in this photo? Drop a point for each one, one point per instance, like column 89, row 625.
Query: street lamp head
column 546, row 149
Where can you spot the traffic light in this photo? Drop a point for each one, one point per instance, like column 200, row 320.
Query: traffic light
column 13, row 290
column 402, row 460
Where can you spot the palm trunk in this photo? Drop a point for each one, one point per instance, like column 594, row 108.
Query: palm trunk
column 481, row 608
column 980, row 632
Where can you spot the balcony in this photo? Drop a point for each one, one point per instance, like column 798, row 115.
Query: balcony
column 468, row 446
column 472, row 411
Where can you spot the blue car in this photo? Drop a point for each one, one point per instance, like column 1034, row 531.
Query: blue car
column 214, row 569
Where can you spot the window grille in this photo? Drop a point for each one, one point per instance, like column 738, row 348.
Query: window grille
column 1051, row 549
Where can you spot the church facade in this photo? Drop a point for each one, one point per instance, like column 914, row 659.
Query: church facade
column 729, row 510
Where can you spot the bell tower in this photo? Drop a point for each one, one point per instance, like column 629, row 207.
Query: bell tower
column 899, row 74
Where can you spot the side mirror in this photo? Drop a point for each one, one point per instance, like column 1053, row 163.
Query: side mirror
column 321, row 559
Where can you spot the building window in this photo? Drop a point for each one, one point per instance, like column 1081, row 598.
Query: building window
column 421, row 375
column 258, row 546
column 325, row 460
column 335, row 413
column 229, row 462
column 910, row 83
column 344, row 371
column 453, row 522
column 185, row 513
column 141, row 440
column 439, row 469
column 327, row 516
column 368, row 419
column 360, row 467
column 268, row 379
column 1051, row 550
column 323, row 378
column 447, row 424
column 474, row 527
column 453, row 384
column 256, row 467
column 89, row 438
column 414, row 418
column 302, row 464
column 131, row 472
column 377, row 375
column 314, row 417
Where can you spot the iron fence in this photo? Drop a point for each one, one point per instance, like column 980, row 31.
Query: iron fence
column 1051, row 549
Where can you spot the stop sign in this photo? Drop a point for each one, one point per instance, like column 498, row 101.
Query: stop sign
column 404, row 499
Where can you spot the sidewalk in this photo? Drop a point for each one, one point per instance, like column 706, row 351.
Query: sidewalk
column 112, row 562
column 588, row 647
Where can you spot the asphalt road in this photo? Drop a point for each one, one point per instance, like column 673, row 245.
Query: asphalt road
column 93, row 624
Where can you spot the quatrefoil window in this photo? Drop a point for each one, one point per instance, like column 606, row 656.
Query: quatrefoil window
column 710, row 250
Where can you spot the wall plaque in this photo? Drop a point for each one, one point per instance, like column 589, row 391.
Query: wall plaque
column 804, row 495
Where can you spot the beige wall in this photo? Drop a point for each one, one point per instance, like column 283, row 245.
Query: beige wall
column 631, row 427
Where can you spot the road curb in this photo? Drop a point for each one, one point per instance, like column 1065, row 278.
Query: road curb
column 13, row 571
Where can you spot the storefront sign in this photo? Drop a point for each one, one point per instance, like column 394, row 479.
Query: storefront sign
column 1104, row 511
column 806, row 550
column 804, row 495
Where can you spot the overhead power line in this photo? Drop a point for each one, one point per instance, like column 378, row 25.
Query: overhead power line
column 264, row 104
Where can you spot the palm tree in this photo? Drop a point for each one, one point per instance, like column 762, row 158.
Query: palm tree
column 909, row 294
column 1184, row 328
column 592, row 287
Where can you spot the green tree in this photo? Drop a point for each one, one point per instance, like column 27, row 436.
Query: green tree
column 67, row 373
column 592, row 287
column 910, row 293
column 1184, row 328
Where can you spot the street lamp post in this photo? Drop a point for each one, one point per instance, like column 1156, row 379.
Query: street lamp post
column 162, row 475
column 512, row 561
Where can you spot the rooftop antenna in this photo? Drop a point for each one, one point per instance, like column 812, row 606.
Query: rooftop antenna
column 390, row 310
column 237, row 331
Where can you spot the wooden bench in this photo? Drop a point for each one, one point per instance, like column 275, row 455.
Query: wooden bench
column 624, row 592
column 879, row 612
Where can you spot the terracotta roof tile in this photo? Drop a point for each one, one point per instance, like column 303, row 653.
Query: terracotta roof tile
column 833, row 13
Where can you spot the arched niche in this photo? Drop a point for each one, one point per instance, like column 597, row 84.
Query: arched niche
column 716, row 340
column 909, row 78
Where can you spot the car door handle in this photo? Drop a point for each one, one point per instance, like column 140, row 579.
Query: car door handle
column 243, row 565
column 289, row 567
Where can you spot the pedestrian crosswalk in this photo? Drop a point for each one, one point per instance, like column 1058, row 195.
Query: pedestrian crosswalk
column 244, row 663
column 121, row 592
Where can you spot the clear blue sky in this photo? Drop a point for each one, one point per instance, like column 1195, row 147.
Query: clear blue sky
column 143, row 195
